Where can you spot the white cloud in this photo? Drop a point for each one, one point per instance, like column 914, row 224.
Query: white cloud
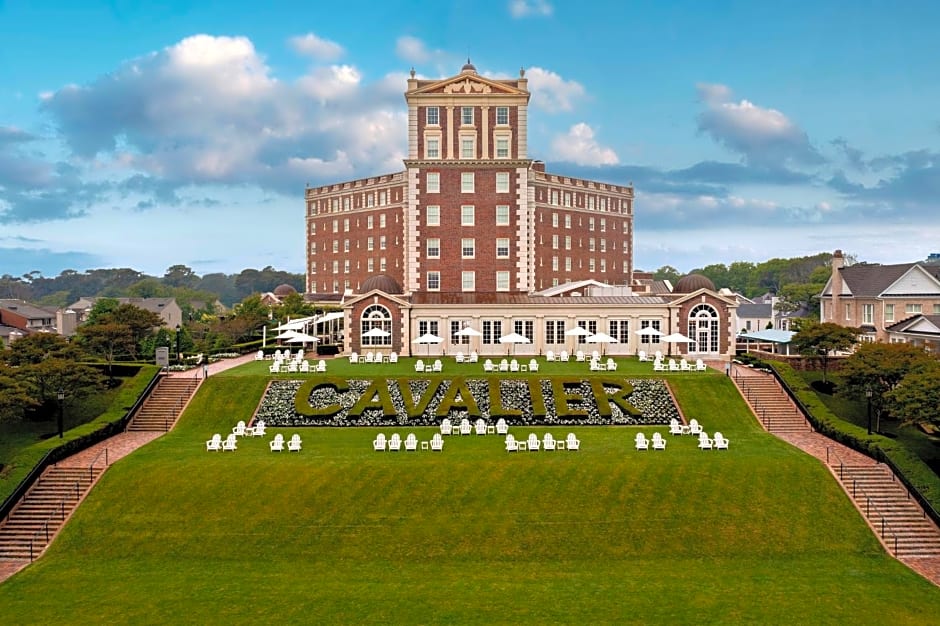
column 527, row 8
column 763, row 136
column 579, row 146
column 411, row 49
column 551, row 92
column 329, row 83
column 316, row 47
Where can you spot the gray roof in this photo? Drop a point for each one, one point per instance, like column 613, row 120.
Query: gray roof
column 869, row 281
column 155, row 305
column 27, row 310
column 746, row 309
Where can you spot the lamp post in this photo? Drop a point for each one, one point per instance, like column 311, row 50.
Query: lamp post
column 61, row 396
column 868, row 393
column 178, row 353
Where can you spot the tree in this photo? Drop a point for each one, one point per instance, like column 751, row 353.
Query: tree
column 880, row 367
column 820, row 340
column 915, row 400
column 101, row 307
column 667, row 272
column 109, row 340
column 14, row 395
column 180, row 276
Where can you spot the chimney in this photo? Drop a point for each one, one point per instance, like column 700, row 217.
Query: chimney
column 838, row 262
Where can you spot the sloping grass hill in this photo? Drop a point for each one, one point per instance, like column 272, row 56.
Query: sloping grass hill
column 341, row 534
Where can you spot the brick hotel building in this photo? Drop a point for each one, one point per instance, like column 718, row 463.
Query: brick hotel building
column 475, row 233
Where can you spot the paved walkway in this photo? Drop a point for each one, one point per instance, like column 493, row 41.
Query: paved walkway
column 830, row 451
column 119, row 446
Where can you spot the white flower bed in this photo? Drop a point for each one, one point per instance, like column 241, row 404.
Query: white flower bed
column 650, row 396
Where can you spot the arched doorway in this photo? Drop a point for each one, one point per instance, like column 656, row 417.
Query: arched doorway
column 376, row 326
column 703, row 330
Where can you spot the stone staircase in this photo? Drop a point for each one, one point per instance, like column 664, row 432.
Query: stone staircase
column 164, row 405
column 35, row 520
column 884, row 501
column 771, row 404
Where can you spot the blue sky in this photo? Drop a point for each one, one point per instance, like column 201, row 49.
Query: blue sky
column 146, row 134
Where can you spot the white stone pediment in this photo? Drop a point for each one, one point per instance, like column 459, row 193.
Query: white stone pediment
column 468, row 85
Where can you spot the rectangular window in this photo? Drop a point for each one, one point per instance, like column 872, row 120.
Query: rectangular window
column 466, row 116
column 382, row 220
column 455, row 327
column 591, row 244
column 502, row 147
column 370, row 264
column 526, row 328
column 467, row 215
column 936, row 309
column 591, row 224
column 382, row 242
column 603, row 224
column 335, row 246
column 567, row 221
column 346, row 225
column 370, row 244
column 434, row 248
column 567, row 197
column 591, row 265
column 554, row 220
column 619, row 330
column 434, row 182
column 370, row 200
column 603, row 265
column 502, row 182
column 433, row 214
column 567, row 263
column 346, row 266
column 554, row 242
column 502, row 248
column 466, row 182
column 382, row 264
column 434, row 116
column 335, row 226
column 588, row 325
column 466, row 148
column 345, row 245
column 432, row 148
column 434, row 281
column 502, row 281
column 468, row 281
column 848, row 311
column 336, row 267
column 650, row 339
column 492, row 331
column 502, row 116
column 467, row 248
column 555, row 332
column 502, row 215
column 911, row 309
column 554, row 263
column 603, row 245
column 567, row 242
column 868, row 314
column 428, row 327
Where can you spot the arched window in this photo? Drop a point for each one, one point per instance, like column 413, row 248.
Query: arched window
column 376, row 324
column 703, row 329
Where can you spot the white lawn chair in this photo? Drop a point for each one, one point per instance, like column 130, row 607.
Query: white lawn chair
column 548, row 442
column 595, row 366
column 277, row 444
column 673, row 366
column 684, row 366
column 700, row 365
column 704, row 443
column 437, row 443
column 533, row 365
column 230, row 443
column 294, row 444
column 369, row 358
column 720, row 442
column 501, row 427
column 595, row 355
column 641, row 356
column 393, row 357
column 659, row 366
column 488, row 366
column 353, row 357
column 304, row 366
column 675, row 428
column 446, row 427
column 257, row 430
column 378, row 444
column 563, row 356
column 511, row 444
column 215, row 443
column 504, row 365
column 549, row 356
column 658, row 442
column 292, row 367
column 321, row 367
column 474, row 357
column 533, row 442
column 411, row 443
column 275, row 367
column 419, row 365
column 641, row 442
column 572, row 442
column 578, row 356
column 658, row 355
column 514, row 366
column 479, row 426
column 611, row 365
column 465, row 427
column 239, row 429
column 694, row 427
column 438, row 366
column 459, row 357
column 394, row 443
column 259, row 355
column 277, row 355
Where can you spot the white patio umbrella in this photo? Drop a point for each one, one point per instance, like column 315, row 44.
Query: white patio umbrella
column 601, row 338
column 302, row 338
column 514, row 338
column 376, row 332
column 288, row 334
column 676, row 338
column 428, row 339
column 468, row 331
column 577, row 331
column 647, row 333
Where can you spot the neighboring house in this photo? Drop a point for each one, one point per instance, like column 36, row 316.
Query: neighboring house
column 26, row 317
column 874, row 298
column 9, row 334
column 920, row 330
column 77, row 312
column 752, row 317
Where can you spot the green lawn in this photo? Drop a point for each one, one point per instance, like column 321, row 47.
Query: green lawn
column 341, row 534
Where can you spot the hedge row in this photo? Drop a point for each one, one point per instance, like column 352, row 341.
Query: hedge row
column 915, row 472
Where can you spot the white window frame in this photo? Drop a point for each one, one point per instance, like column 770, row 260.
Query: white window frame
column 502, row 112
column 432, row 215
column 437, row 116
column 467, row 182
column 466, row 116
column 433, row 281
column 467, row 215
column 432, row 147
column 502, row 215
column 468, row 248
column 468, row 280
column 502, row 148
column 502, row 281
column 433, row 248
column 502, row 182
column 502, row 247
column 433, row 182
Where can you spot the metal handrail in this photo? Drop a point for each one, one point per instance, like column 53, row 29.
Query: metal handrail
column 91, row 466
column 45, row 524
